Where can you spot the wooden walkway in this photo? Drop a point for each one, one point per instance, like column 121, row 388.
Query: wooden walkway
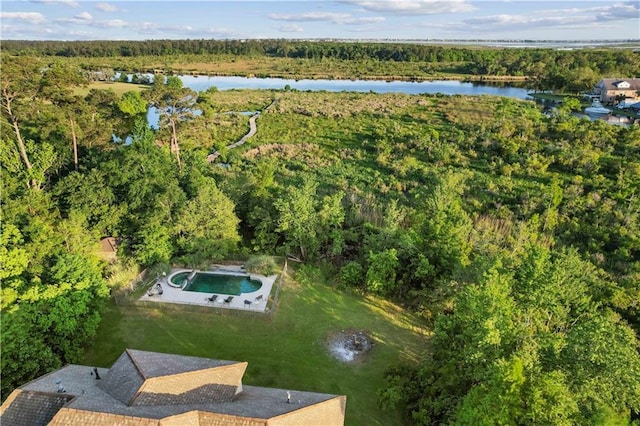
column 253, row 128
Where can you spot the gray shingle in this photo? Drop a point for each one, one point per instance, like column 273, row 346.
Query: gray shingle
column 33, row 408
column 123, row 379
column 155, row 364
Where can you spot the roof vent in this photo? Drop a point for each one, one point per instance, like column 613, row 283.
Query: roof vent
column 61, row 388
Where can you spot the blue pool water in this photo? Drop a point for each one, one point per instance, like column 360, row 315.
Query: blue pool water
column 206, row 282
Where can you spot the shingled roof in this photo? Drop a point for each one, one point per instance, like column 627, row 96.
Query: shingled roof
column 128, row 380
column 32, row 407
column 151, row 388
column 618, row 84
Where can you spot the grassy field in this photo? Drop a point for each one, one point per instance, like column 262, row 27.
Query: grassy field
column 287, row 352
column 118, row 87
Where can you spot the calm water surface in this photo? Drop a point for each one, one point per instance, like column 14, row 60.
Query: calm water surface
column 452, row 87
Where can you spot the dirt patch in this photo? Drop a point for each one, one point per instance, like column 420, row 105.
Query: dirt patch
column 349, row 345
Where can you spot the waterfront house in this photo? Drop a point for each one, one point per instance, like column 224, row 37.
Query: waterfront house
column 614, row 90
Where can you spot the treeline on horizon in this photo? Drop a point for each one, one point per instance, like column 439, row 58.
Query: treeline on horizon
column 468, row 60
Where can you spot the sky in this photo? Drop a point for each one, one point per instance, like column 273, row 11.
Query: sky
column 304, row 19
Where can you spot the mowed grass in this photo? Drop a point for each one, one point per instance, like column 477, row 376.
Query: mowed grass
column 118, row 87
column 287, row 352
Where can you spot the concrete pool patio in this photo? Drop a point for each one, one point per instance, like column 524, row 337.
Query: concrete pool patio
column 256, row 301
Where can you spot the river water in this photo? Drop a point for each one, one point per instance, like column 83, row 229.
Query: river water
column 453, row 87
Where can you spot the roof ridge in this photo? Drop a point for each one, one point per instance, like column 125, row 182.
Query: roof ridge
column 135, row 364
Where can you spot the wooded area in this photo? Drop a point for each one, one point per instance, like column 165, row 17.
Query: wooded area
column 516, row 235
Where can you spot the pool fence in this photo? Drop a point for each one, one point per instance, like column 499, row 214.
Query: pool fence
column 130, row 296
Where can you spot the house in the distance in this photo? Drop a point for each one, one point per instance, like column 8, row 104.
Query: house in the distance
column 149, row 388
column 614, row 90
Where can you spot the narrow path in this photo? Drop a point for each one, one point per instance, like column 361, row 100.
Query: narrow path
column 253, row 128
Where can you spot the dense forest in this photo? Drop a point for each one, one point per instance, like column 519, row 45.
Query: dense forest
column 516, row 235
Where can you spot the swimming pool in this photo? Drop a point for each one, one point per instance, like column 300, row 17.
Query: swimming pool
column 210, row 282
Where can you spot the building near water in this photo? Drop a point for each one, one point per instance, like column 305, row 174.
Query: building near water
column 614, row 90
column 150, row 388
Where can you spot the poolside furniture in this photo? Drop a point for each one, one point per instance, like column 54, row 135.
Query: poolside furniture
column 212, row 298
column 228, row 299
column 259, row 298
column 247, row 302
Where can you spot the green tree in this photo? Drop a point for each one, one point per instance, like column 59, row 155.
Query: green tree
column 445, row 227
column 131, row 103
column 297, row 217
column 175, row 104
column 528, row 343
column 19, row 86
column 381, row 271
column 207, row 227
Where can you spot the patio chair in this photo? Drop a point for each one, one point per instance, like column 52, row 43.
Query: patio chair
column 228, row 299
column 212, row 298
column 247, row 302
column 259, row 298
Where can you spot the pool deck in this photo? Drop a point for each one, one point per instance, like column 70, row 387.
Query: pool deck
column 172, row 294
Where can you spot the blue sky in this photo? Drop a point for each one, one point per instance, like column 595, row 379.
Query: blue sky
column 303, row 19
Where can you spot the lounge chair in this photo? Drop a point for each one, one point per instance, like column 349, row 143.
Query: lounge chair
column 259, row 298
column 228, row 299
column 247, row 302
column 212, row 298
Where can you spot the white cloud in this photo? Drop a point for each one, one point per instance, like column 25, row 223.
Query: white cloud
column 32, row 32
column 290, row 28
column 414, row 7
column 84, row 16
column 28, row 17
column 70, row 3
column 106, row 7
column 111, row 23
column 218, row 32
column 153, row 28
column 336, row 18
column 557, row 18
column 309, row 17
column 364, row 21
column 628, row 10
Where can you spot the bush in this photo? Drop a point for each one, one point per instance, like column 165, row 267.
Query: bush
column 264, row 265
column 351, row 274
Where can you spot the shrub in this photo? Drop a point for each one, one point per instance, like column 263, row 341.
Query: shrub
column 264, row 265
column 351, row 274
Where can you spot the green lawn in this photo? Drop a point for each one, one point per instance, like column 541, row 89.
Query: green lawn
column 287, row 352
column 118, row 87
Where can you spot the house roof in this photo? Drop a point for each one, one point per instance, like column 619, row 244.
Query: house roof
column 32, row 407
column 112, row 394
column 612, row 83
column 108, row 245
